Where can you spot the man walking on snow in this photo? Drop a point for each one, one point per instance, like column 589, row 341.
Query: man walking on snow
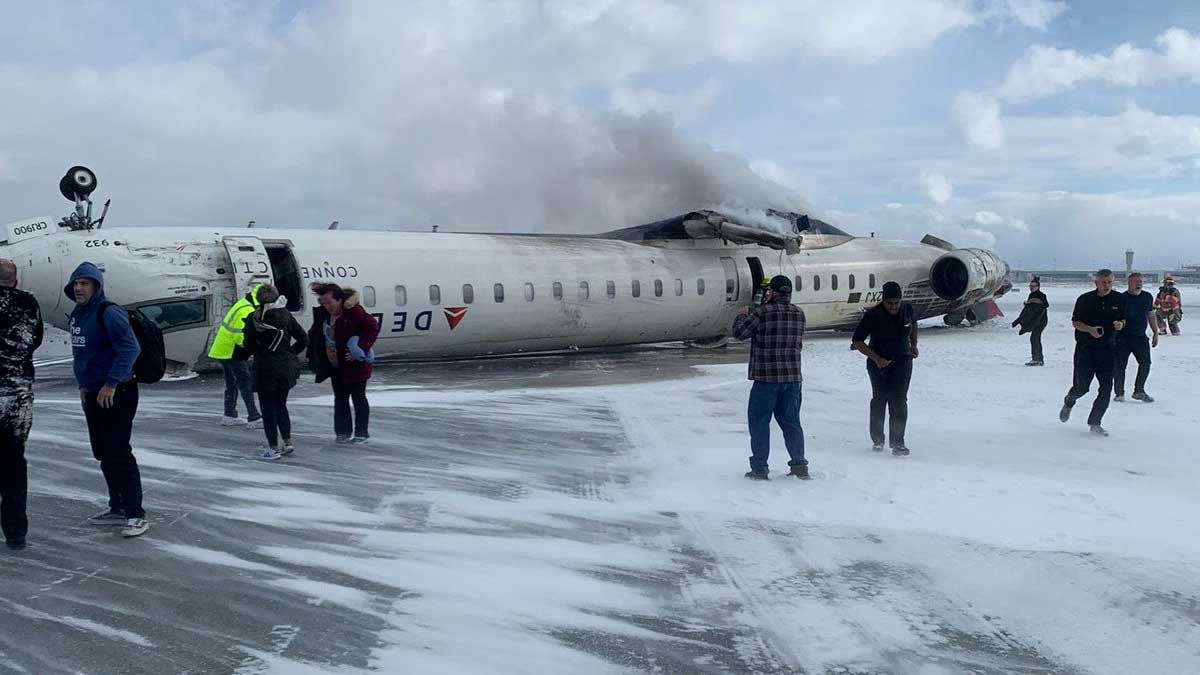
column 1139, row 315
column 1099, row 315
column 776, row 333
column 229, row 349
column 105, row 348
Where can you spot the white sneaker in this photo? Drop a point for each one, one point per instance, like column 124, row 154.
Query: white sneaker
column 135, row 527
column 270, row 454
column 227, row 421
column 288, row 448
column 255, row 424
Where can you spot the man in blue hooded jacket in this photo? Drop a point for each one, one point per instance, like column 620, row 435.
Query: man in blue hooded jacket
column 105, row 349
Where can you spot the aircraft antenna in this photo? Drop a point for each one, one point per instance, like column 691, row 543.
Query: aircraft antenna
column 333, row 225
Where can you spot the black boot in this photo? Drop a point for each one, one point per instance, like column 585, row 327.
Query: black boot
column 757, row 475
column 801, row 472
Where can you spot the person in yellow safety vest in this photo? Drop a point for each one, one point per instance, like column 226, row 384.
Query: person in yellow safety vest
column 1168, row 307
column 229, row 350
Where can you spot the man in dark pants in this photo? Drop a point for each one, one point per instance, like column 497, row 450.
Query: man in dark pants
column 892, row 327
column 1097, row 318
column 776, row 333
column 20, row 336
column 105, row 348
column 1139, row 315
column 1033, row 320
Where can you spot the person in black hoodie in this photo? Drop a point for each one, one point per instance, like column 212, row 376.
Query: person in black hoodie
column 274, row 338
column 1033, row 320
column 20, row 336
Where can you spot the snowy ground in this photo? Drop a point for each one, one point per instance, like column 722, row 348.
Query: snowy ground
column 588, row 514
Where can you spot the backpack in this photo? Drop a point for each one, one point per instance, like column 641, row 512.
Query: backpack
column 151, row 362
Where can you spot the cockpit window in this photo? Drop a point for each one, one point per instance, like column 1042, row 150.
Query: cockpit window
column 176, row 313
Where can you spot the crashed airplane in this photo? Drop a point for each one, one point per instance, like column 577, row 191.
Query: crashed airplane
column 458, row 295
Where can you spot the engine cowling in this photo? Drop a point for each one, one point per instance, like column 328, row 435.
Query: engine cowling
column 967, row 275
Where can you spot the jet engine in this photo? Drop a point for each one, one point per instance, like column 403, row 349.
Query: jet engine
column 967, row 275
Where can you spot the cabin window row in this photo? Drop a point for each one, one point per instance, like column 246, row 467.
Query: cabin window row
column 584, row 292
column 833, row 282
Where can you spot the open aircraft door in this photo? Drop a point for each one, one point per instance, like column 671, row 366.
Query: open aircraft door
column 250, row 261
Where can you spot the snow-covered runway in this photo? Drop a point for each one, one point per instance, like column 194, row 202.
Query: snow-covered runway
column 587, row 513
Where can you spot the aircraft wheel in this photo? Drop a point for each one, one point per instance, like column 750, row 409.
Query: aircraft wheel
column 79, row 180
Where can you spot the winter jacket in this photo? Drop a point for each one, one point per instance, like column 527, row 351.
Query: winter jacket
column 353, row 322
column 274, row 338
column 229, row 344
column 1034, row 315
column 776, row 334
column 20, row 334
column 104, row 354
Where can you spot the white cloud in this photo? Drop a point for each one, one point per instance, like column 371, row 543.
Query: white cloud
column 988, row 218
column 1047, row 71
column 978, row 116
column 1037, row 14
column 685, row 106
column 937, row 187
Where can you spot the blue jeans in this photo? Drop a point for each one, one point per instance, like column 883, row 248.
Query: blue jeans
column 237, row 380
column 781, row 399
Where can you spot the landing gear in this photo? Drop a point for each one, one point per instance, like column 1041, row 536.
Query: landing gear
column 79, row 180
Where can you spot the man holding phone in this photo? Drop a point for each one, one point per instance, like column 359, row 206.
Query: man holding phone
column 1099, row 315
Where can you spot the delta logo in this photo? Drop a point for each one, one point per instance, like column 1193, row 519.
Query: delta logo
column 454, row 315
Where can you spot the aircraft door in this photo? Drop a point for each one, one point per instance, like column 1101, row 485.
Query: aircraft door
column 251, row 263
column 731, row 280
column 756, row 277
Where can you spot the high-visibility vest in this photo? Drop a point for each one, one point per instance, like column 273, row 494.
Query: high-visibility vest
column 231, row 332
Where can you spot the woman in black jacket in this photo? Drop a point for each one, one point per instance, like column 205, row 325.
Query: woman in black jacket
column 275, row 339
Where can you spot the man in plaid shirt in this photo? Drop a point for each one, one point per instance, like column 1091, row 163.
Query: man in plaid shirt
column 776, row 333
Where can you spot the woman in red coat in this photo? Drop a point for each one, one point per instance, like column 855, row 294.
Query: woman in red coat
column 339, row 348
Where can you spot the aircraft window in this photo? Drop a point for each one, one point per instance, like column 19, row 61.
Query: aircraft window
column 658, row 288
column 528, row 292
column 498, row 292
column 611, row 288
column 369, row 296
column 851, row 282
column 871, row 279
column 730, row 287
column 468, row 294
column 435, row 295
column 401, row 296
column 679, row 287
column 834, row 284
column 816, row 282
column 699, row 287
column 584, row 291
column 799, row 283
column 637, row 288
column 557, row 289
column 176, row 313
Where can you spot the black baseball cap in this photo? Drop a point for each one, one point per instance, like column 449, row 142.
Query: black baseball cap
column 891, row 291
column 781, row 284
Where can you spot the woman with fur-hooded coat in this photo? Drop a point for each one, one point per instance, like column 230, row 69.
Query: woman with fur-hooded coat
column 340, row 348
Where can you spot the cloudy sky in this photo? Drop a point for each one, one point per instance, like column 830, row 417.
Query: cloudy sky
column 1058, row 133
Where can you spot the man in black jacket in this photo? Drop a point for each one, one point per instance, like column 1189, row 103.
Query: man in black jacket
column 892, row 328
column 20, row 336
column 1033, row 320
column 1099, row 315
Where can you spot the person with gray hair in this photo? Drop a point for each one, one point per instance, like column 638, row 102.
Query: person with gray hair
column 20, row 336
column 1099, row 315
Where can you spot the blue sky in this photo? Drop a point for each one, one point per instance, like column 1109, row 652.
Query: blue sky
column 1057, row 133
